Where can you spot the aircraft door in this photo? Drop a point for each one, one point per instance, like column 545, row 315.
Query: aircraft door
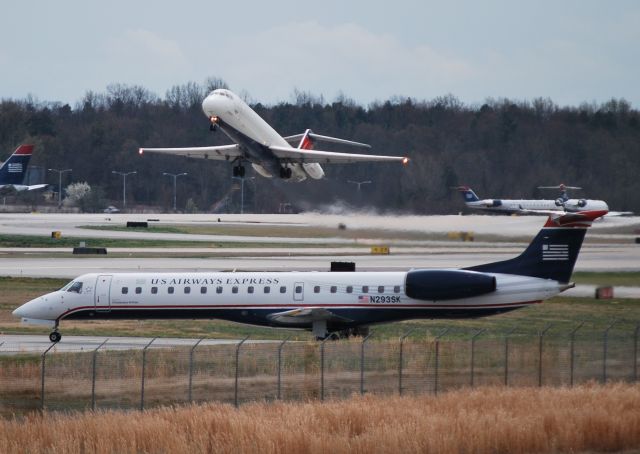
column 102, row 299
column 298, row 291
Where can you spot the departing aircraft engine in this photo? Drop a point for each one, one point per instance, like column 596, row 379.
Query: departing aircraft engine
column 438, row 285
column 313, row 169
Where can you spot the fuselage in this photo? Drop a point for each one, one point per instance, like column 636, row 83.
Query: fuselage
column 245, row 127
column 352, row 298
column 517, row 206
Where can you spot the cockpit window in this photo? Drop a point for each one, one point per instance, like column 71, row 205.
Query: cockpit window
column 75, row 287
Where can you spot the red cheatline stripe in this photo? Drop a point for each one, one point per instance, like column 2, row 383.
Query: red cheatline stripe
column 296, row 306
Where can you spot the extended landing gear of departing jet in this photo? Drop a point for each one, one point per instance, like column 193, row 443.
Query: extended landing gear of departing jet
column 238, row 171
column 285, row 173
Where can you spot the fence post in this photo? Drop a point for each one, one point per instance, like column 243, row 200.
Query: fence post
column 572, row 363
column 322, row 367
column 191, row 352
column 1, row 343
column 144, row 361
column 280, row 366
column 93, row 376
column 605, row 347
column 435, row 389
column 635, row 353
column 506, row 354
column 235, row 388
column 402, row 338
column 44, row 354
column 473, row 351
column 362, row 362
column 541, row 337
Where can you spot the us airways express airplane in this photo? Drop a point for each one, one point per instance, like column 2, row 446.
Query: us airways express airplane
column 13, row 171
column 256, row 142
column 325, row 302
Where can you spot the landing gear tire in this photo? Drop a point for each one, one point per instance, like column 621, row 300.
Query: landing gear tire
column 239, row 171
column 55, row 337
column 213, row 128
column 285, row 173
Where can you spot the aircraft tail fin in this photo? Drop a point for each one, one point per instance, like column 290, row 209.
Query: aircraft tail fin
column 468, row 194
column 306, row 142
column 14, row 169
column 553, row 252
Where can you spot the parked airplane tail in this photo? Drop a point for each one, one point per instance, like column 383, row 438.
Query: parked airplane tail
column 468, row 194
column 553, row 252
column 14, row 169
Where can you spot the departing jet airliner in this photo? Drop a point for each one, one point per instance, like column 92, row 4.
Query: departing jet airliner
column 13, row 171
column 258, row 143
column 325, row 302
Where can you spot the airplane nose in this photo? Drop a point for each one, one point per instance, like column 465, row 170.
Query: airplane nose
column 19, row 312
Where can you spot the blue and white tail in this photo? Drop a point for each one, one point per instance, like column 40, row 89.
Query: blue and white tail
column 14, row 169
column 468, row 194
column 553, row 252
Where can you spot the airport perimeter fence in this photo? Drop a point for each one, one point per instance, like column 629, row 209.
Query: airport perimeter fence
column 248, row 371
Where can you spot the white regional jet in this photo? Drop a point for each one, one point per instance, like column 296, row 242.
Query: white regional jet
column 258, row 143
column 325, row 302
column 530, row 206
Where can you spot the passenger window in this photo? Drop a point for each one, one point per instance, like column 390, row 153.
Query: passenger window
column 125, row 290
column 154, row 290
column 283, row 289
column 203, row 290
column 316, row 289
column 234, row 289
column 298, row 289
column 365, row 289
column 138, row 290
column 250, row 289
column 381, row 289
column 76, row 287
column 267, row 289
column 396, row 289
column 218, row 289
column 334, row 289
column 187, row 290
column 170, row 290
column 349, row 288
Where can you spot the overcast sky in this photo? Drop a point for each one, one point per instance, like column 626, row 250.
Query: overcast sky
column 569, row 51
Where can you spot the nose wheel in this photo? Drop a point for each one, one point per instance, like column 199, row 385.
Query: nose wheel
column 55, row 337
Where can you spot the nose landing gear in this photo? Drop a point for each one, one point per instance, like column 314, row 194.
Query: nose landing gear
column 55, row 336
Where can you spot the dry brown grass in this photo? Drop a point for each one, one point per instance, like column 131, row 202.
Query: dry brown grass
column 487, row 420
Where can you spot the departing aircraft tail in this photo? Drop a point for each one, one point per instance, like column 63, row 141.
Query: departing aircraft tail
column 306, row 142
column 468, row 194
column 14, row 169
column 553, row 252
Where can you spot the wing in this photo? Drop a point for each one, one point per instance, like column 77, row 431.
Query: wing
column 306, row 315
column 329, row 157
column 219, row 153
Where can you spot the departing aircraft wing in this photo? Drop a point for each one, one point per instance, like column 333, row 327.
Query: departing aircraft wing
column 306, row 315
column 220, row 153
column 329, row 157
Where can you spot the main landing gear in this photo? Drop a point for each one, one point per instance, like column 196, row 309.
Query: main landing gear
column 238, row 171
column 285, row 173
column 55, row 336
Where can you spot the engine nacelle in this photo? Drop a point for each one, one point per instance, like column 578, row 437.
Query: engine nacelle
column 438, row 285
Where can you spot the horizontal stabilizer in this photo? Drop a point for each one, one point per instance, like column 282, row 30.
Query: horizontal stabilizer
column 318, row 138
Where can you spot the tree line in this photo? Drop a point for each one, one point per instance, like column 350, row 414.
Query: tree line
column 502, row 148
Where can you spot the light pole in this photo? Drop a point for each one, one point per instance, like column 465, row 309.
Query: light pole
column 124, row 185
column 175, row 177
column 359, row 183
column 242, row 191
column 60, row 172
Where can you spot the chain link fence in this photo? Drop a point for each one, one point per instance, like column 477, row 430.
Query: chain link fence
column 245, row 371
